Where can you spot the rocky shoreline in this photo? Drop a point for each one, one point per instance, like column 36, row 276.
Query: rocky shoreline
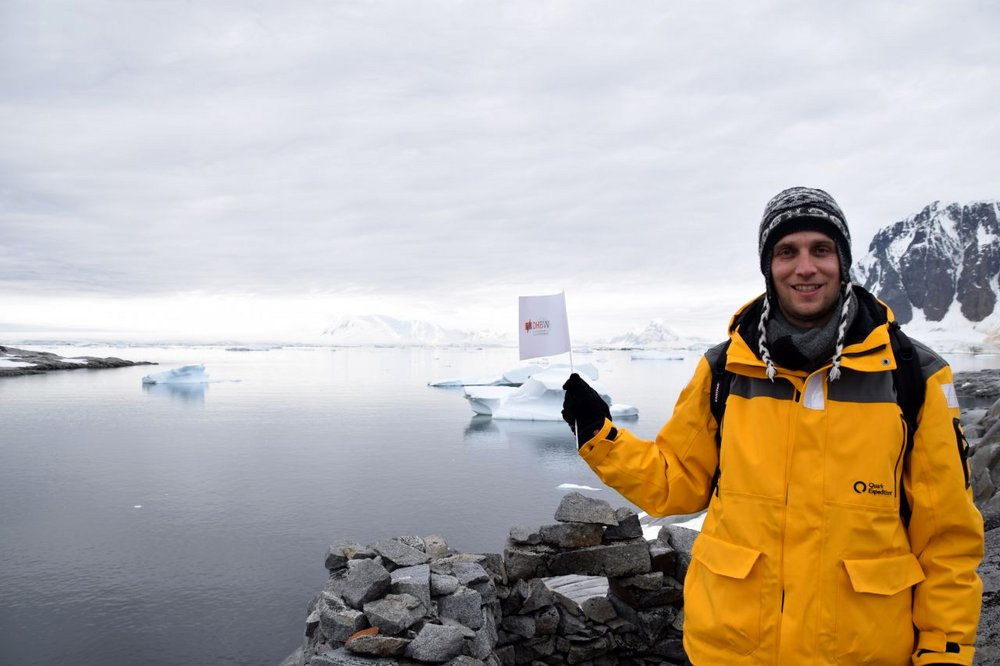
column 16, row 362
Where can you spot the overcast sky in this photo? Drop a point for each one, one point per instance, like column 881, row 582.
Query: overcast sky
column 258, row 169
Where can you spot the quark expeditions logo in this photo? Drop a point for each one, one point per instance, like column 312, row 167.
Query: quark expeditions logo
column 863, row 488
column 537, row 326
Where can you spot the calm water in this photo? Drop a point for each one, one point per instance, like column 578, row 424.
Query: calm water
column 189, row 527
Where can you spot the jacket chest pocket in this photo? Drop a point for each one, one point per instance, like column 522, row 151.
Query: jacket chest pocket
column 722, row 595
column 865, row 456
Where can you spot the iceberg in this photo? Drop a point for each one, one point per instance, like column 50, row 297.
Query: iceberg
column 187, row 374
column 513, row 377
column 539, row 398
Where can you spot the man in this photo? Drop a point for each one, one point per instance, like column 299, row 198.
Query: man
column 805, row 556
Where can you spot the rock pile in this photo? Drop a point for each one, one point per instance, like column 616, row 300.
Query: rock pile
column 586, row 590
column 404, row 600
column 634, row 617
column 981, row 425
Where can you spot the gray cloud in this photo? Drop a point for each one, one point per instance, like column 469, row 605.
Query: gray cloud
column 437, row 148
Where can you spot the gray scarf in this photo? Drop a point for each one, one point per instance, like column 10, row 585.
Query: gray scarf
column 806, row 348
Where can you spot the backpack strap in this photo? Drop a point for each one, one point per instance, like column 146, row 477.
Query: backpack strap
column 722, row 380
column 910, row 387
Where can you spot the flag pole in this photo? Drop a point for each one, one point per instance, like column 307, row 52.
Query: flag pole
column 576, row 425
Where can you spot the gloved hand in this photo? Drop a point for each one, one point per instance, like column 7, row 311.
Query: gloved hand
column 583, row 407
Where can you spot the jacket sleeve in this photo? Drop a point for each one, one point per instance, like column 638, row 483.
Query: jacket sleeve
column 673, row 474
column 946, row 531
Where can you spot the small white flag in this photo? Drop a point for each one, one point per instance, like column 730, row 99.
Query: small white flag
column 544, row 329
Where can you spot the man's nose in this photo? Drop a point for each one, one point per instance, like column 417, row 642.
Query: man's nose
column 805, row 265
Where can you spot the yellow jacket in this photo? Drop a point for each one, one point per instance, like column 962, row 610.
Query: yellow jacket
column 803, row 558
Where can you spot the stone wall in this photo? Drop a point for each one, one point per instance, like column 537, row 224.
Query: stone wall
column 588, row 589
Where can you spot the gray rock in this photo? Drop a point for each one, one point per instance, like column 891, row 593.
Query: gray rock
column 536, row 595
column 364, row 580
column 590, row 650
column 435, row 546
column 485, row 640
column 436, row 643
column 377, row 645
column 572, row 535
column 577, row 508
column 547, row 620
column 464, row 660
column 519, row 625
column 663, row 557
column 464, row 605
column 337, row 620
column 415, row 581
column 524, row 535
column 394, row 613
column 988, row 639
column 642, row 594
column 653, row 624
column 342, row 551
column 526, row 561
column 343, row 657
column 570, row 623
column 628, row 526
column 599, row 609
column 469, row 573
column 625, row 558
column 680, row 539
column 401, row 554
column 442, row 584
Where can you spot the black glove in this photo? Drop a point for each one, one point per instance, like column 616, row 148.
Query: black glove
column 583, row 407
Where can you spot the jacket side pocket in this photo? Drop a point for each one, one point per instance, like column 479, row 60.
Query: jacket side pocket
column 874, row 610
column 722, row 595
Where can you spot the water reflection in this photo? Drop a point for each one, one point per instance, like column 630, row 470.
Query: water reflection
column 551, row 439
column 192, row 394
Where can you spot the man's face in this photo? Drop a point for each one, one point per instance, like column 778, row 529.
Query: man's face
column 805, row 269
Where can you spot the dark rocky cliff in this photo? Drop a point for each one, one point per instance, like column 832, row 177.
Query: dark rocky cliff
column 947, row 253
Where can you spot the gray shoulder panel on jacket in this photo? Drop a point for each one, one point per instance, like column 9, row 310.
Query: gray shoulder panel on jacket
column 930, row 360
column 712, row 355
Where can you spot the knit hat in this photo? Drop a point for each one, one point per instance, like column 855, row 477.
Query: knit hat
column 804, row 209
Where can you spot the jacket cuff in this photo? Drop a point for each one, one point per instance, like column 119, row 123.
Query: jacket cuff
column 597, row 447
column 934, row 649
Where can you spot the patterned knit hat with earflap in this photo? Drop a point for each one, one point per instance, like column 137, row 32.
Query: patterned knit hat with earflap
column 804, row 209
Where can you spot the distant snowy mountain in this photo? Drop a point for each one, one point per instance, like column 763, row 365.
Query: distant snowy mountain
column 656, row 335
column 385, row 331
column 938, row 270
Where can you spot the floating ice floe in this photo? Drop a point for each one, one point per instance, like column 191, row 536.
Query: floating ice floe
column 539, row 398
column 574, row 486
column 513, row 377
column 655, row 355
column 187, row 374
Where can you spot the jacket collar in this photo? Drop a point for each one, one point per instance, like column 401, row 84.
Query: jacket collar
column 867, row 347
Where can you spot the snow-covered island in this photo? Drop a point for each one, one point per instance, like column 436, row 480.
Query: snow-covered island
column 15, row 362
